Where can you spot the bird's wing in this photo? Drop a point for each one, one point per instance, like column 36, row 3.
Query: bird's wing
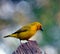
column 23, row 29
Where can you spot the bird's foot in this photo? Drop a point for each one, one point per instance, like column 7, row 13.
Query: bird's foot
column 21, row 42
column 30, row 40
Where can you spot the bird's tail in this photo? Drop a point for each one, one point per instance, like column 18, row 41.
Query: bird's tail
column 6, row 36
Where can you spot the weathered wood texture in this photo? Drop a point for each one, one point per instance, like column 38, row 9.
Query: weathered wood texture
column 31, row 47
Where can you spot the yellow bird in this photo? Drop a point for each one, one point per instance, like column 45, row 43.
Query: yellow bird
column 26, row 31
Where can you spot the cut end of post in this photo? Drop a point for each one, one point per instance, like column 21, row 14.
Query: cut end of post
column 31, row 47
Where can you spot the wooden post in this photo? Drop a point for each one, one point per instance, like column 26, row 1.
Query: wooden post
column 31, row 47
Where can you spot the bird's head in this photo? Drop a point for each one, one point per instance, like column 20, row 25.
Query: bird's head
column 39, row 26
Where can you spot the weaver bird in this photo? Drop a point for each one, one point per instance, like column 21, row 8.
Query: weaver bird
column 26, row 31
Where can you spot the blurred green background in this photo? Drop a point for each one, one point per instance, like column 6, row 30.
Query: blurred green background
column 17, row 13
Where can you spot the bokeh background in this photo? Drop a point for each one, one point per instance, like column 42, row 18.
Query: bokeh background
column 16, row 13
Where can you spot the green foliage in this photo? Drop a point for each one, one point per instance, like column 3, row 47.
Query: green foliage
column 47, row 16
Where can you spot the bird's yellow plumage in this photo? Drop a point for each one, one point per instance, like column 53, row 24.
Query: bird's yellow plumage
column 27, row 31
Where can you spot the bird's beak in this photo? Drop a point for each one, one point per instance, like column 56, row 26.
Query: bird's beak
column 42, row 29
